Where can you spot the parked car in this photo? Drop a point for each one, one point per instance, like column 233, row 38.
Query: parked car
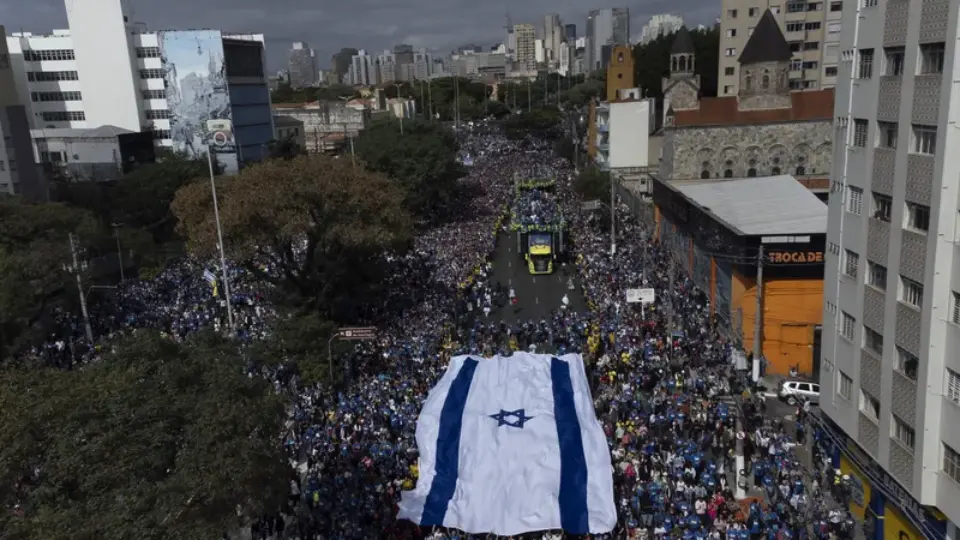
column 793, row 391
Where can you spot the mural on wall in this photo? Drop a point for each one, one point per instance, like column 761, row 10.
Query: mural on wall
column 197, row 95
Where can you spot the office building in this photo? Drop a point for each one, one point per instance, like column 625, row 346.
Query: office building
column 302, row 66
column 553, row 40
column 422, row 65
column 403, row 57
column 570, row 32
column 525, row 55
column 890, row 383
column 341, row 62
column 108, row 71
column 363, row 69
column 659, row 26
column 605, row 28
column 811, row 28
column 19, row 174
column 386, row 68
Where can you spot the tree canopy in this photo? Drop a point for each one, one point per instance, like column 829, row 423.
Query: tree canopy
column 34, row 244
column 287, row 94
column 423, row 160
column 314, row 226
column 544, row 123
column 593, row 184
column 158, row 441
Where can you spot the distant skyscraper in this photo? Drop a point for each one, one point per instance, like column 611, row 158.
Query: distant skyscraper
column 609, row 26
column 403, row 56
column 570, row 31
column 553, row 34
column 526, row 48
column 660, row 25
column 342, row 62
column 363, row 69
column 302, row 65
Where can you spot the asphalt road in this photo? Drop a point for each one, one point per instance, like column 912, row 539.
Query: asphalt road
column 537, row 296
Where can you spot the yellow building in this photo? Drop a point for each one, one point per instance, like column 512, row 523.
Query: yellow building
column 717, row 230
column 621, row 73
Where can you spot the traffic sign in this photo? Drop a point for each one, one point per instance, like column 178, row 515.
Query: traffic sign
column 358, row 333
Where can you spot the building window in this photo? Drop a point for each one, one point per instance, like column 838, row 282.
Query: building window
column 872, row 341
column 47, row 55
column 753, row 12
column 796, row 65
column 851, row 263
column 774, row 9
column 727, row 89
column 887, row 134
column 159, row 134
column 63, row 116
column 705, row 175
column 56, row 96
column 951, row 463
column 953, row 386
column 893, row 61
column 51, row 76
column 882, row 207
column 955, row 308
column 728, row 71
column 865, row 70
column 854, row 200
column 157, row 114
column 844, row 385
column 870, row 3
column 728, row 173
column 148, row 52
column 151, row 73
column 731, row 14
column 2, row 166
column 907, row 364
column 731, row 32
column 931, row 58
column 836, row 6
column 751, row 173
column 730, row 52
column 847, row 325
column 830, row 71
column 775, row 171
column 795, row 27
column 811, row 65
column 796, row 7
column 869, row 406
column 876, row 276
column 918, row 217
column 811, row 46
column 812, row 25
column 911, row 292
column 860, row 132
column 924, row 139
column 901, row 432
column 154, row 94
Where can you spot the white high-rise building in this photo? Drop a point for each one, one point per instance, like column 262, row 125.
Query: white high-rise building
column 106, row 70
column 659, row 26
column 890, row 375
column 363, row 69
column 553, row 40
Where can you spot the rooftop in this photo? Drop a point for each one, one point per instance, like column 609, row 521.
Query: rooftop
column 725, row 111
column 766, row 43
column 770, row 205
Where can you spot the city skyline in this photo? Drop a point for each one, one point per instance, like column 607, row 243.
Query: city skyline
column 432, row 24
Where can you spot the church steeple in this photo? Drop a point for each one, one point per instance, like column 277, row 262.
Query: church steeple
column 682, row 55
column 765, row 67
column 681, row 90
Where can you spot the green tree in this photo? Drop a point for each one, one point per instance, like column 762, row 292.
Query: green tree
column 423, row 160
column 544, row 122
column 581, row 94
column 652, row 61
column 593, row 184
column 300, row 337
column 158, row 441
column 320, row 223
column 34, row 245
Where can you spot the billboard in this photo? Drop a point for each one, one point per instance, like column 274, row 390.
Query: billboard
column 197, row 95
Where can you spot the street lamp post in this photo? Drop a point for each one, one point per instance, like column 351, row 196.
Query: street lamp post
column 223, row 257
column 77, row 267
column 353, row 155
column 403, row 108
column 116, row 233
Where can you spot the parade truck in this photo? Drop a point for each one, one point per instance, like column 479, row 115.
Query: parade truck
column 539, row 225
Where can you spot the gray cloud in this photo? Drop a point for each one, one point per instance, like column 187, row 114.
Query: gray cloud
column 374, row 25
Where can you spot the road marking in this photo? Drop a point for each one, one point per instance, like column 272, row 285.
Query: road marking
column 534, row 279
column 509, row 264
column 509, row 281
column 769, row 394
column 536, row 300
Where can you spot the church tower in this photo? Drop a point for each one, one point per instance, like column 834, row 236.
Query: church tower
column 681, row 90
column 765, row 68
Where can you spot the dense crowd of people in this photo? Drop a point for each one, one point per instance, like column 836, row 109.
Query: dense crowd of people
column 665, row 390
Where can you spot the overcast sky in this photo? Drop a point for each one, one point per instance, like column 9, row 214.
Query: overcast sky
column 438, row 25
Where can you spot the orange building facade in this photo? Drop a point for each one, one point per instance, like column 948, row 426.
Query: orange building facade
column 723, row 262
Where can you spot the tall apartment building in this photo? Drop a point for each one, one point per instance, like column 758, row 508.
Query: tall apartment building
column 108, row 71
column 403, row 56
column 659, row 26
column 570, row 32
column 386, row 67
column 890, row 377
column 363, row 69
column 19, row 174
column 553, row 40
column 302, row 66
column 605, row 28
column 525, row 55
column 812, row 29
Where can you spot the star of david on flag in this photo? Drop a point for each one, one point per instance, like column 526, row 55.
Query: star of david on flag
column 540, row 462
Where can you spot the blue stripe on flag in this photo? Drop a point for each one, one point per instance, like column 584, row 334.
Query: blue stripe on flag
column 574, row 516
column 448, row 447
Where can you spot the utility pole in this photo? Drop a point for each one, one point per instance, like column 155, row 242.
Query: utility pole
column 403, row 108
column 739, row 460
column 430, row 98
column 223, row 257
column 758, row 321
column 423, row 105
column 613, row 215
column 76, row 267
column 116, row 234
column 353, row 155
column 529, row 101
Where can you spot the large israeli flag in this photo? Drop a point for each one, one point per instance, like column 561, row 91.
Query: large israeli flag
column 511, row 444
